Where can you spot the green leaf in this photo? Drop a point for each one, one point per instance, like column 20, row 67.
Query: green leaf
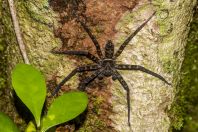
column 64, row 108
column 6, row 124
column 29, row 85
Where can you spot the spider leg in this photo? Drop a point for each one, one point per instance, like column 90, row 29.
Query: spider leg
column 140, row 68
column 131, row 36
column 79, row 69
column 125, row 86
column 89, row 79
column 80, row 53
column 93, row 38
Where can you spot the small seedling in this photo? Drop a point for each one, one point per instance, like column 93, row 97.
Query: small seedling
column 29, row 85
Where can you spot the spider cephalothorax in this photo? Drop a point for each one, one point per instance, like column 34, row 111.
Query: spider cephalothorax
column 105, row 64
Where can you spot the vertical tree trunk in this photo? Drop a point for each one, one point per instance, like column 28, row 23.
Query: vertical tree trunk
column 159, row 46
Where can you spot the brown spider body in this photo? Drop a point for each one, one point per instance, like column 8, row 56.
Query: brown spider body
column 105, row 65
column 108, row 62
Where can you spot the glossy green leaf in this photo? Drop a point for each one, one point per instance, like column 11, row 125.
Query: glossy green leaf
column 29, row 85
column 64, row 108
column 6, row 124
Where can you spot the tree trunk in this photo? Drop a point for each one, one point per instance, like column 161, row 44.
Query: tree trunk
column 159, row 46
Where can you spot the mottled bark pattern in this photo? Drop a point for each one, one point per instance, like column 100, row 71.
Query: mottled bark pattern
column 158, row 47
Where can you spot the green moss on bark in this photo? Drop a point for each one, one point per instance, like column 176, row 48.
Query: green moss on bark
column 184, row 111
column 7, row 40
column 2, row 43
column 2, row 52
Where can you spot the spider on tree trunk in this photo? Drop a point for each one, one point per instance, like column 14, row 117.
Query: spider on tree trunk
column 105, row 64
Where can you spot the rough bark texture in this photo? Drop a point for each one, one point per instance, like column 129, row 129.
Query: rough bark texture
column 158, row 47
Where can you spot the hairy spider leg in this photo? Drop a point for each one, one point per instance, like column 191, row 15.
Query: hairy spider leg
column 89, row 79
column 140, row 68
column 126, row 42
column 93, row 38
column 80, row 53
column 79, row 69
column 125, row 86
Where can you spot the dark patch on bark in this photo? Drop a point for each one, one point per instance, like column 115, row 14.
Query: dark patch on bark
column 100, row 16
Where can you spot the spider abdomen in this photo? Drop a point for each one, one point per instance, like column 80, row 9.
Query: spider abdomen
column 107, row 73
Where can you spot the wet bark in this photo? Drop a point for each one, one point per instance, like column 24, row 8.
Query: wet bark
column 159, row 46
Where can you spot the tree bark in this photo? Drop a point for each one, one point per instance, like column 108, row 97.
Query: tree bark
column 159, row 46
